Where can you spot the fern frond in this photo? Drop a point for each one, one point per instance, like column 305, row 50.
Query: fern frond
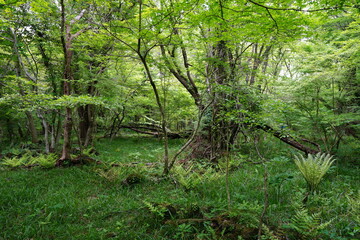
column 313, row 168
column 308, row 225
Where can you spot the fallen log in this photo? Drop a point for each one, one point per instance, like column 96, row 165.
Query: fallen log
column 151, row 129
column 290, row 140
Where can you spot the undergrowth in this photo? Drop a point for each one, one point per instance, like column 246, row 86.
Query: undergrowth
column 127, row 197
column 28, row 159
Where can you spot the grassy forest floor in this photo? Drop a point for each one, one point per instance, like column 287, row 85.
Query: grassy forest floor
column 133, row 201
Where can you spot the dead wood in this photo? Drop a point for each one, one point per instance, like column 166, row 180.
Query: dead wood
column 289, row 139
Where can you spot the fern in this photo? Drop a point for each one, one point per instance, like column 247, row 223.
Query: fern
column 308, row 225
column 313, row 168
column 110, row 175
column 17, row 161
column 354, row 207
column 186, row 177
column 156, row 209
column 190, row 179
column 44, row 160
column 268, row 234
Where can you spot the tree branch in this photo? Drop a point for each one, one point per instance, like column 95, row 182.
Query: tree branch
column 78, row 17
column 75, row 35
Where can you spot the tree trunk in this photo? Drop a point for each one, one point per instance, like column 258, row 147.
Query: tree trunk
column 10, row 129
column 221, row 128
column 65, row 155
column 22, row 72
column 66, row 40
column 46, row 131
column 162, row 113
column 86, row 119
column 84, row 123
column 55, row 131
column 32, row 128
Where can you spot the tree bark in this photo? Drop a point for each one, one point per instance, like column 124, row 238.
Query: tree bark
column 222, row 130
column 66, row 40
column 66, row 43
column 86, row 115
column 46, row 131
column 32, row 128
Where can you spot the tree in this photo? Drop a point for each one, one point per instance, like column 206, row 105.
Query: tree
column 323, row 70
column 227, row 56
column 235, row 54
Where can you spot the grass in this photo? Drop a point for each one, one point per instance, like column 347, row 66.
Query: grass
column 80, row 203
column 133, row 149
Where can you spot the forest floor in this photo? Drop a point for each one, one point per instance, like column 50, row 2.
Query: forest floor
column 126, row 197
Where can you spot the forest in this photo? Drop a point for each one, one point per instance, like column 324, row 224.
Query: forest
column 180, row 119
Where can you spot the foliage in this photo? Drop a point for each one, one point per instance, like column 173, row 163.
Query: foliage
column 82, row 73
column 127, row 175
column 110, row 175
column 44, row 160
column 314, row 167
column 354, row 204
column 103, row 209
column 27, row 159
column 159, row 210
column 247, row 212
column 190, row 178
column 186, row 177
column 308, row 225
column 16, row 161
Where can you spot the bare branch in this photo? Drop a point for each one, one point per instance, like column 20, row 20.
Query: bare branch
column 6, row 38
column 276, row 25
column 78, row 17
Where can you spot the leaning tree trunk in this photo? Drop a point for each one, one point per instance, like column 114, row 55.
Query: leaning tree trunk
column 215, row 141
column 21, row 71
